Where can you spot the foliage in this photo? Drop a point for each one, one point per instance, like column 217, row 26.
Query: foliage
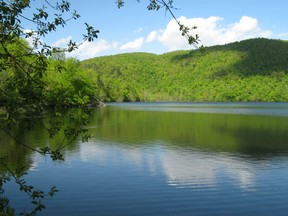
column 72, row 87
column 35, row 77
column 35, row 194
column 24, row 91
column 250, row 70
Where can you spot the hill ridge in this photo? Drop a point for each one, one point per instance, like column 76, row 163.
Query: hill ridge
column 231, row 72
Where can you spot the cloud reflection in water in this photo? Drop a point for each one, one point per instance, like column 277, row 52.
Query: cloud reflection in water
column 181, row 168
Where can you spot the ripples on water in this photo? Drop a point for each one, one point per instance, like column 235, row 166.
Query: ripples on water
column 108, row 179
column 151, row 159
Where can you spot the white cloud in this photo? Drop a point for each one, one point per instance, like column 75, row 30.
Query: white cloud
column 245, row 24
column 152, row 36
column 91, row 49
column 210, row 32
column 136, row 44
column 62, row 42
column 209, row 29
column 98, row 47
column 115, row 44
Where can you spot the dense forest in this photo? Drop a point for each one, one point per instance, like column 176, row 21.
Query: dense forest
column 250, row 70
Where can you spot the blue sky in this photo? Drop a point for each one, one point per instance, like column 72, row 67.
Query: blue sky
column 135, row 29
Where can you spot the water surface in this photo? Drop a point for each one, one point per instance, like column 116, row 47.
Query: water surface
column 167, row 159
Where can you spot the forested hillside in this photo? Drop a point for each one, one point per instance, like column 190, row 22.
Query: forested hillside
column 250, row 70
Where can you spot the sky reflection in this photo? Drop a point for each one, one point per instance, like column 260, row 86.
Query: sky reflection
column 181, row 168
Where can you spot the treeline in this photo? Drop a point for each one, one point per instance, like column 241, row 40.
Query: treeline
column 250, row 70
column 64, row 82
column 68, row 84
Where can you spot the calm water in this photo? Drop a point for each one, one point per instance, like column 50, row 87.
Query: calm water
column 166, row 159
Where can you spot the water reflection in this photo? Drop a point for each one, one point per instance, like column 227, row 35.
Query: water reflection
column 203, row 169
column 181, row 168
column 140, row 159
column 191, row 149
column 190, row 169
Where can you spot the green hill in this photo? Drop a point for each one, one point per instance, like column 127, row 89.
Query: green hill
column 250, row 70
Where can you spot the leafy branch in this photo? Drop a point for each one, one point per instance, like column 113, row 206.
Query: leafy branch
column 36, row 195
column 168, row 6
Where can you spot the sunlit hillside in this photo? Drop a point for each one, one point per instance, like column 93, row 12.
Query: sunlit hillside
column 250, row 70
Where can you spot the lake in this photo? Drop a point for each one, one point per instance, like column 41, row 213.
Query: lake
column 165, row 159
